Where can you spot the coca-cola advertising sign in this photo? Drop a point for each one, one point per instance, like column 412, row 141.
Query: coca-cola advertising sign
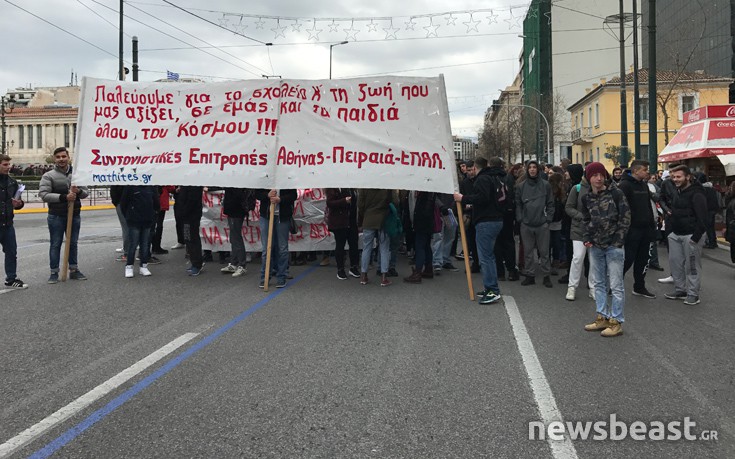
column 709, row 111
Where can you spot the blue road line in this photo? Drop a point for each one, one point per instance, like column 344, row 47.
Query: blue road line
column 101, row 413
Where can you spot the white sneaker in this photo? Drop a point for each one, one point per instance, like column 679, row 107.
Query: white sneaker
column 144, row 270
column 239, row 271
column 571, row 293
column 129, row 271
column 667, row 280
column 230, row 268
column 120, row 250
column 178, row 245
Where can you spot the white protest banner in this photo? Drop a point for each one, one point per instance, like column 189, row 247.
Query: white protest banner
column 309, row 208
column 389, row 132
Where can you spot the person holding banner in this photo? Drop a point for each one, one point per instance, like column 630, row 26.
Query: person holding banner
column 10, row 200
column 487, row 217
column 372, row 208
column 139, row 205
column 342, row 222
column 189, row 205
column 235, row 206
column 56, row 190
column 283, row 212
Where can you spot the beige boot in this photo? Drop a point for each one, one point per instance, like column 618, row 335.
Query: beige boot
column 600, row 323
column 615, row 329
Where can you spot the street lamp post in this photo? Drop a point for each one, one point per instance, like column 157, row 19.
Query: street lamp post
column 330, row 55
column 548, row 131
column 3, row 111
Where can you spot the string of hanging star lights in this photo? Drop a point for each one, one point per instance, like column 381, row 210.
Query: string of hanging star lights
column 432, row 25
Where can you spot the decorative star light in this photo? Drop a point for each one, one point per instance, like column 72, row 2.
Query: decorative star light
column 431, row 28
column 451, row 19
column 410, row 24
column 279, row 30
column 510, row 19
column 533, row 12
column 390, row 32
column 333, row 27
column 259, row 23
column 372, row 27
column 472, row 24
column 492, row 19
column 314, row 32
column 548, row 16
column 296, row 26
column 224, row 21
column 351, row 32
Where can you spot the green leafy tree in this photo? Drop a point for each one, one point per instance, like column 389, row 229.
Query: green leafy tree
column 612, row 152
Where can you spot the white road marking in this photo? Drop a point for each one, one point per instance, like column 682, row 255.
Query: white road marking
column 33, row 432
column 537, row 379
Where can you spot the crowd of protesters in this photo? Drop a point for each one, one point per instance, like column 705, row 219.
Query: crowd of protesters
column 527, row 220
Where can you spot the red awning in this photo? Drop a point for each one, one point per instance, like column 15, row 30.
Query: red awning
column 703, row 138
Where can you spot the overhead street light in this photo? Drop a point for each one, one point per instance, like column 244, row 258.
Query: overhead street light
column 330, row 55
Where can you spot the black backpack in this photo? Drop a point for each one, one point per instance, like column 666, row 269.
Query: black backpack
column 503, row 195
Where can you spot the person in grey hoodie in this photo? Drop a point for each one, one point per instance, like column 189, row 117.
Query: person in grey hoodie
column 534, row 212
column 573, row 208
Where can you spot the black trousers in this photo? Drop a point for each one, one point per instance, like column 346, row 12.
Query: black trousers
column 158, row 229
column 179, row 226
column 637, row 253
column 193, row 243
column 505, row 247
column 710, row 225
column 350, row 236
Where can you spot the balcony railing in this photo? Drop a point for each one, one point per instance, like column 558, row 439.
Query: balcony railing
column 582, row 135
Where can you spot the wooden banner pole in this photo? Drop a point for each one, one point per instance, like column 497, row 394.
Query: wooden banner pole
column 465, row 250
column 269, row 247
column 67, row 245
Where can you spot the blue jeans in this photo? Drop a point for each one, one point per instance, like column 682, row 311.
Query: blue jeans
column 10, row 247
column 448, row 234
column 280, row 247
column 368, row 236
column 485, row 235
column 607, row 265
column 56, row 229
column 138, row 235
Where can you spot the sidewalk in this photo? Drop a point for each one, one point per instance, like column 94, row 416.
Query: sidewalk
column 41, row 208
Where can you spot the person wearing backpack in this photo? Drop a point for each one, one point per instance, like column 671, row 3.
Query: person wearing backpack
column 505, row 245
column 535, row 211
column 139, row 204
column 606, row 217
column 342, row 222
column 573, row 209
column 236, row 206
column 488, row 220
column 372, row 208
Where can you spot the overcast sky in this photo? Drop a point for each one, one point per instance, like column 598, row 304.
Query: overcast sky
column 475, row 45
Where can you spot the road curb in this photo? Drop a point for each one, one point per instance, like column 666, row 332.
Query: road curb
column 43, row 210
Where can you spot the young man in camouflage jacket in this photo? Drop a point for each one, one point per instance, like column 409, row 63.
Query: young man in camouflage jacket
column 606, row 216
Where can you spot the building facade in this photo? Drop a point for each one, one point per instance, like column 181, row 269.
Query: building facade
column 595, row 118
column 41, row 120
column 464, row 148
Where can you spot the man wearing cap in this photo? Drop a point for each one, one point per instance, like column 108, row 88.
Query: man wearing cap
column 606, row 217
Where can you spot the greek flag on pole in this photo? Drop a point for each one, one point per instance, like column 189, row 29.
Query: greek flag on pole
column 172, row 76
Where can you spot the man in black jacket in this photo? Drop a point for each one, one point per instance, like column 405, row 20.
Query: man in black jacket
column 642, row 230
column 488, row 220
column 8, row 203
column 189, row 202
column 283, row 201
column 688, row 216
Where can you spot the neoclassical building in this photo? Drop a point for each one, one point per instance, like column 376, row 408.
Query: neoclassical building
column 41, row 120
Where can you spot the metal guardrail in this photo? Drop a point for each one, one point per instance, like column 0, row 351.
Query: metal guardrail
column 97, row 195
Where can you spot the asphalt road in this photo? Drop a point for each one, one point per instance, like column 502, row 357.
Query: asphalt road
column 214, row 367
